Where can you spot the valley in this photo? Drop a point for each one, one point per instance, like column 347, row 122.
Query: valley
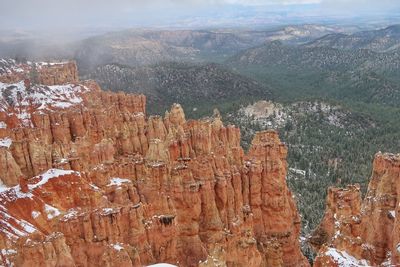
column 337, row 107
column 329, row 93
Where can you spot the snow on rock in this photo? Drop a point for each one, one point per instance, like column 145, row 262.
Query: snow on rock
column 392, row 214
column 388, row 261
column 47, row 64
column 156, row 164
column 35, row 214
column 5, row 142
column 94, row 187
column 51, row 211
column 162, row 265
column 3, row 125
column 71, row 214
column 15, row 228
column 50, row 174
column 298, row 171
column 108, row 211
column 13, row 193
column 118, row 181
column 17, row 99
column 8, row 66
column 118, row 246
column 12, row 227
column 61, row 96
column 29, row 228
column 343, row 259
column 8, row 251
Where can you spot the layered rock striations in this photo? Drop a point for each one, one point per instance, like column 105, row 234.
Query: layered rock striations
column 90, row 180
column 363, row 232
column 38, row 72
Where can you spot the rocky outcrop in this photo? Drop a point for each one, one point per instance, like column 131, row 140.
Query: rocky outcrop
column 362, row 232
column 57, row 73
column 38, row 73
column 93, row 181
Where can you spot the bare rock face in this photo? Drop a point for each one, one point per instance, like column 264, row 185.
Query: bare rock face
column 362, row 232
column 89, row 180
column 276, row 221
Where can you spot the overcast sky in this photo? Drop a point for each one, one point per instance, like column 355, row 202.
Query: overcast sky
column 82, row 13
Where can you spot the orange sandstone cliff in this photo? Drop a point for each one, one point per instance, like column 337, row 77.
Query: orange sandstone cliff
column 89, row 180
column 38, row 72
column 366, row 232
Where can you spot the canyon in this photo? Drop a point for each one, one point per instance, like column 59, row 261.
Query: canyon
column 356, row 232
column 89, row 180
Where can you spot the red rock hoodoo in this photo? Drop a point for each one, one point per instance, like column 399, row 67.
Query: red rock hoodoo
column 363, row 233
column 89, row 180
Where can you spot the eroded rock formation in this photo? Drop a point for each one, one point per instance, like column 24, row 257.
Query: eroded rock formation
column 89, row 180
column 40, row 73
column 363, row 233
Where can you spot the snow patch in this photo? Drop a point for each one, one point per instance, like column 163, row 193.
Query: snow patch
column 49, row 64
column 50, row 174
column 118, row 181
column 5, row 142
column 388, row 261
column 20, row 100
column 8, row 252
column 71, row 214
column 392, row 213
column 29, row 228
column 156, row 164
column 13, row 192
column 9, row 66
column 162, row 265
column 51, row 211
column 108, row 211
column 35, row 214
column 343, row 259
column 298, row 171
column 94, row 187
column 118, row 246
column 12, row 227
column 3, row 125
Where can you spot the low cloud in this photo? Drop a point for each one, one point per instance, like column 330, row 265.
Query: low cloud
column 81, row 13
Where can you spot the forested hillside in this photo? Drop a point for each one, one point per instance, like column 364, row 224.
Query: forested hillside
column 199, row 88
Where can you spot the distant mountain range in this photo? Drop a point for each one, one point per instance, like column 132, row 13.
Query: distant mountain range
column 320, row 57
column 147, row 47
column 383, row 40
column 359, row 74
column 317, row 60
